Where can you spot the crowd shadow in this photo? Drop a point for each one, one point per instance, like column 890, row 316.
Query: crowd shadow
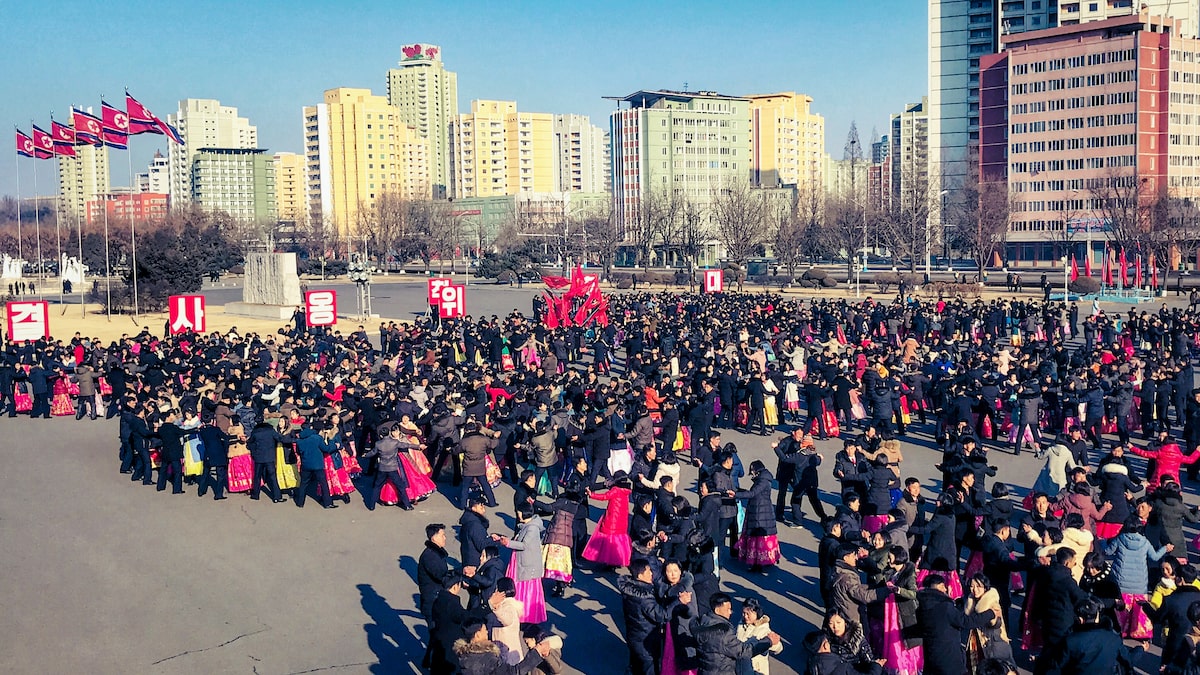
column 394, row 644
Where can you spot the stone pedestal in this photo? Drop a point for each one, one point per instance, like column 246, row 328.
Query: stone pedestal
column 271, row 289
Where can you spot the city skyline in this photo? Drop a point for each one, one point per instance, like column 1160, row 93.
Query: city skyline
column 548, row 58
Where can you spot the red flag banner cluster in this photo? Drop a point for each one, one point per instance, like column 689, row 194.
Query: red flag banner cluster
column 111, row 129
column 582, row 304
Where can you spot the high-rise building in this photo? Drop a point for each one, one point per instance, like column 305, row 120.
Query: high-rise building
column 962, row 31
column 496, row 150
column 157, row 178
column 120, row 206
column 82, row 179
column 203, row 123
column 356, row 149
column 291, row 187
column 688, row 144
column 581, row 155
column 1076, row 117
column 238, row 181
column 909, row 153
column 787, row 140
column 846, row 177
column 426, row 94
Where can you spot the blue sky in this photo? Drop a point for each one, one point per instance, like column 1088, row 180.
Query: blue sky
column 859, row 59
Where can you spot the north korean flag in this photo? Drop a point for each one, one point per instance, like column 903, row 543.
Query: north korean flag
column 116, row 127
column 171, row 132
column 141, row 120
column 43, row 145
column 24, row 144
column 64, row 139
column 89, row 130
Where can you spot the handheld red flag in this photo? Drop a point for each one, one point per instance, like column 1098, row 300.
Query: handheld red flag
column 1074, row 269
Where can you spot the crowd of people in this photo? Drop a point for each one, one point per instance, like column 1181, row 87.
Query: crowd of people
column 916, row 573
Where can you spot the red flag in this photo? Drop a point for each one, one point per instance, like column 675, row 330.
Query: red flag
column 1137, row 273
column 116, row 127
column 1087, row 264
column 89, row 129
column 1124, row 269
column 556, row 282
column 1153, row 272
column 64, row 139
column 1106, row 275
column 551, row 317
column 1074, row 269
column 25, row 146
column 141, row 120
column 43, row 145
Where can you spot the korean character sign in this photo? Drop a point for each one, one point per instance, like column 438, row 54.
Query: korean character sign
column 452, row 301
column 714, row 281
column 186, row 314
column 433, row 289
column 320, row 308
column 28, row 320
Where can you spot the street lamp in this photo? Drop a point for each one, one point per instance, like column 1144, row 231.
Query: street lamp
column 942, row 222
column 1066, row 280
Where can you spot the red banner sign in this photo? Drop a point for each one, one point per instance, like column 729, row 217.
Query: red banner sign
column 187, row 314
column 433, row 288
column 320, row 308
column 714, row 281
column 452, row 301
column 28, row 320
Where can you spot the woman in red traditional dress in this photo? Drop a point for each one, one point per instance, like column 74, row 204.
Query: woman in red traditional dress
column 610, row 544
column 61, row 405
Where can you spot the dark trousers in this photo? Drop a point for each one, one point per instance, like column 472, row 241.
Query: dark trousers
column 1091, row 428
column 265, row 472
column 447, row 452
column 757, row 417
column 1123, row 429
column 175, row 468
column 113, row 408
column 729, row 527
column 814, row 500
column 726, row 418
column 381, row 478
column 217, row 477
column 309, row 476
column 143, row 467
column 1034, row 431
column 548, row 472
column 82, row 402
column 126, row 456
column 486, row 487
column 642, row 659
column 41, row 406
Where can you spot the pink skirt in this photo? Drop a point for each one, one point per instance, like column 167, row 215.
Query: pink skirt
column 530, row 593
column 339, row 479
column 388, row 494
column 668, row 659
column 350, row 462
column 420, row 485
column 953, row 583
column 1107, row 530
column 61, row 406
column 900, row 659
column 974, row 565
column 762, row 551
column 873, row 524
column 241, row 473
column 22, row 402
column 608, row 549
column 1135, row 625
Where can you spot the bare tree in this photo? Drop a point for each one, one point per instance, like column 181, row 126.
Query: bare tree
column 979, row 220
column 445, row 233
column 739, row 216
column 694, row 230
column 1125, row 202
column 905, row 227
column 599, row 225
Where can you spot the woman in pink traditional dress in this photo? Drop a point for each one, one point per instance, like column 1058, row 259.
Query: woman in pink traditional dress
column 414, row 462
column 610, row 544
column 679, row 647
column 61, row 405
column 525, row 567
column 339, row 479
column 758, row 546
column 901, row 636
column 241, row 466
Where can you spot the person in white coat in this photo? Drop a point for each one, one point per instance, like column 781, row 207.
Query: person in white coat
column 1054, row 475
column 507, row 609
column 757, row 626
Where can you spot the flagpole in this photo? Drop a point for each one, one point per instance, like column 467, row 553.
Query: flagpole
column 107, row 265
column 132, row 230
column 58, row 213
column 79, row 233
column 17, row 168
column 37, row 224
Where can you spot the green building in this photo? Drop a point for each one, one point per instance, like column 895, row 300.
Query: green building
column 240, row 182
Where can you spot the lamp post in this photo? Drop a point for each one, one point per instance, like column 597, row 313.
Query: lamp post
column 1066, row 279
column 942, row 222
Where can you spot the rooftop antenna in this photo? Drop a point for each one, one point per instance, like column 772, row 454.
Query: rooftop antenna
column 685, row 85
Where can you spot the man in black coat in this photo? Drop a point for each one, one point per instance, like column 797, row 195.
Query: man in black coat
column 262, row 450
column 449, row 615
column 39, row 385
column 473, row 534
column 645, row 617
column 1058, row 594
column 797, row 469
column 1092, row 647
column 942, row 624
column 432, row 568
column 481, row 581
column 139, row 441
column 215, row 444
column 171, row 455
column 716, row 639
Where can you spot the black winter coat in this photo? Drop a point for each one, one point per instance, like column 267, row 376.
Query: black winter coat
column 473, row 537
column 719, row 648
column 942, row 624
column 1090, row 648
column 760, row 511
column 483, row 658
column 644, row 616
column 1057, row 594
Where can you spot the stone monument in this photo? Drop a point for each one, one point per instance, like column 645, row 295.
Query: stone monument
column 70, row 269
column 271, row 289
column 10, row 267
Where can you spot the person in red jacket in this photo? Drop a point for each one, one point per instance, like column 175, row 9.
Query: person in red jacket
column 1168, row 458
